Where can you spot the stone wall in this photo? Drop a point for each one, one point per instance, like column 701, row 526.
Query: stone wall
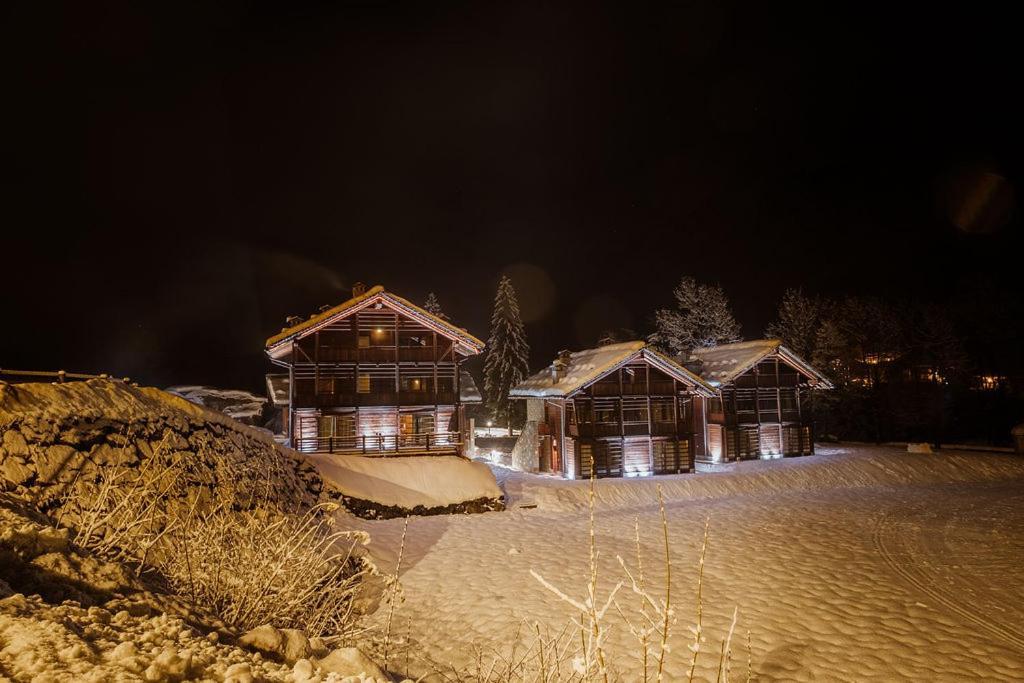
column 60, row 442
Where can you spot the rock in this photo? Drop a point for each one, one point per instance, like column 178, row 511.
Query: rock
column 14, row 444
column 350, row 661
column 58, row 463
column 265, row 638
column 5, row 590
column 173, row 665
column 105, row 454
column 303, row 670
column 238, row 673
column 15, row 471
column 124, row 651
column 296, row 645
column 318, row 646
column 51, row 540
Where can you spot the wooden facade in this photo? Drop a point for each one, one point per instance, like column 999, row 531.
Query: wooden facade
column 620, row 410
column 375, row 375
column 762, row 408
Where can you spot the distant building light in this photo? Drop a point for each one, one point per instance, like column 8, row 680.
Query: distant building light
column 989, row 382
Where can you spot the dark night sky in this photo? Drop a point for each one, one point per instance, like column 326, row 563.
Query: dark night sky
column 179, row 179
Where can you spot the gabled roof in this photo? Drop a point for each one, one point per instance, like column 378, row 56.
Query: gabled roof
column 587, row 366
column 722, row 364
column 466, row 343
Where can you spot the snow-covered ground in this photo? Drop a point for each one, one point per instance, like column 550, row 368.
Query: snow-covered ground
column 859, row 563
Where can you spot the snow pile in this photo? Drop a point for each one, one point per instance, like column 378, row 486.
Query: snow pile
column 416, row 485
column 242, row 406
column 67, row 615
column 829, row 469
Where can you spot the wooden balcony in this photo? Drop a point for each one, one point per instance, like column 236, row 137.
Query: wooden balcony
column 376, row 354
column 602, row 429
column 440, row 443
column 657, row 388
column 377, row 398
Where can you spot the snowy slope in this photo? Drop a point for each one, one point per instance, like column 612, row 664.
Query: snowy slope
column 830, row 468
column 864, row 564
column 428, row 481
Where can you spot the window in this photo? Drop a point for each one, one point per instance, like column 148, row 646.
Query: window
column 338, row 426
column 605, row 415
column 363, row 384
column 345, row 425
column 326, row 386
column 415, row 384
column 364, row 341
column 715, row 405
column 417, row 423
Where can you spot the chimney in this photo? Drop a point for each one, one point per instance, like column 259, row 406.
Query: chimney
column 358, row 289
column 559, row 366
column 292, row 320
column 325, row 307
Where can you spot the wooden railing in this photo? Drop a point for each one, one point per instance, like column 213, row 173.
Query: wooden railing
column 377, row 398
column 657, row 388
column 381, row 444
column 54, row 376
column 599, row 429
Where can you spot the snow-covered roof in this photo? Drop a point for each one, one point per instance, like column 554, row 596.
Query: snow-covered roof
column 465, row 342
column 722, row 364
column 587, row 366
column 468, row 391
column 277, row 389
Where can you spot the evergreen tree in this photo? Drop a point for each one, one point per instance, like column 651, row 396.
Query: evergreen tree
column 799, row 319
column 702, row 318
column 432, row 306
column 507, row 362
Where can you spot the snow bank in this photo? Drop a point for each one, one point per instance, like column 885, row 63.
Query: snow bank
column 830, row 468
column 421, row 481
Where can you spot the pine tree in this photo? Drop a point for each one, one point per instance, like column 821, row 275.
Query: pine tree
column 432, row 306
column 702, row 318
column 799, row 319
column 507, row 362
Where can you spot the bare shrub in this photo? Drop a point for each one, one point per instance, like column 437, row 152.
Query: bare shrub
column 226, row 550
column 262, row 566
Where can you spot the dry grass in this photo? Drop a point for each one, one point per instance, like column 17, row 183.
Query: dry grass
column 246, row 561
column 580, row 652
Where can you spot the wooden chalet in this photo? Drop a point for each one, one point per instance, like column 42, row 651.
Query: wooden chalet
column 761, row 410
column 616, row 410
column 375, row 375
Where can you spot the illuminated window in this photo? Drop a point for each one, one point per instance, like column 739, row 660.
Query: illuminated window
column 363, row 384
column 364, row 341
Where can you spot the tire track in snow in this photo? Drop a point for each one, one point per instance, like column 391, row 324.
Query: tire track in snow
column 892, row 544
